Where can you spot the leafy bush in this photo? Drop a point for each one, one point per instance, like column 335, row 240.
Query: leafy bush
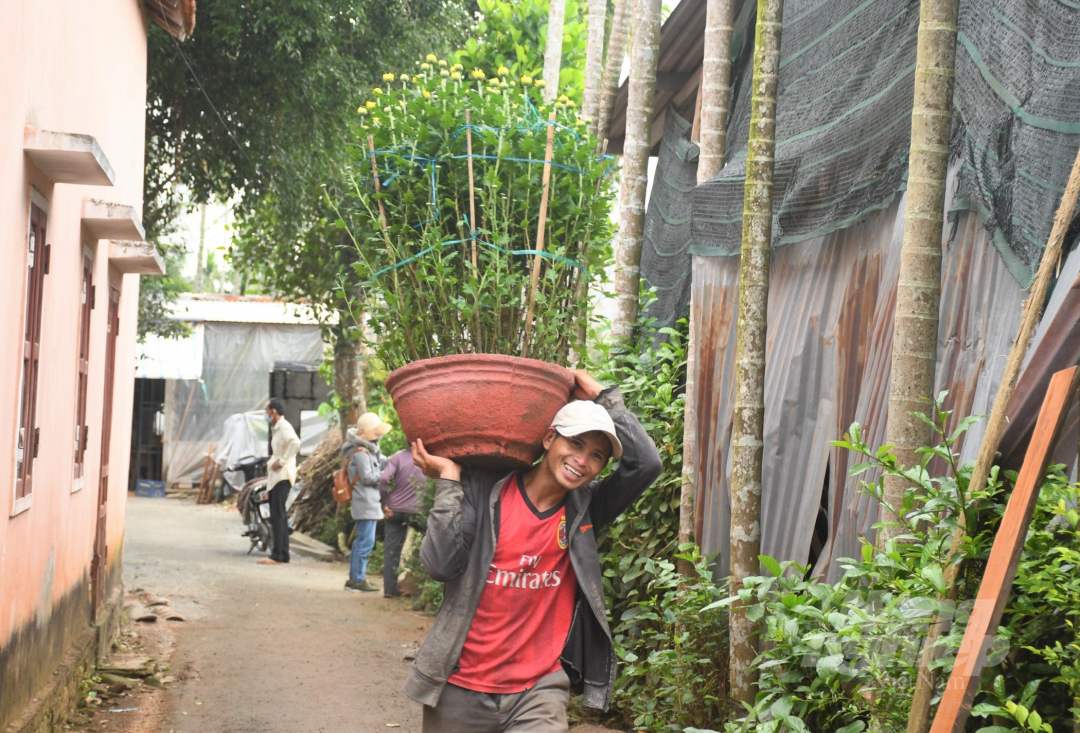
column 651, row 376
column 429, row 595
column 514, row 34
column 844, row 656
column 673, row 652
column 436, row 283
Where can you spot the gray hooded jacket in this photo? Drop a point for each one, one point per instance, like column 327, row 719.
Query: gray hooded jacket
column 365, row 467
column 460, row 544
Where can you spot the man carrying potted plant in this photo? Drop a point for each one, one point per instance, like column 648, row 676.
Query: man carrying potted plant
column 523, row 614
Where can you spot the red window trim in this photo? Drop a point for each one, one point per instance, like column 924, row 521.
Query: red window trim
column 28, row 437
column 82, row 371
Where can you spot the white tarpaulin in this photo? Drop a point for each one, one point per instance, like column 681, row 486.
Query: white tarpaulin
column 162, row 358
column 237, row 358
column 243, row 434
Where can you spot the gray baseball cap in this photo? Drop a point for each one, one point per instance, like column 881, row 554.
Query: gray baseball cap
column 582, row 416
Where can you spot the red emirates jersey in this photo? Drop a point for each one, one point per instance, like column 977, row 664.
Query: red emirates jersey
column 520, row 627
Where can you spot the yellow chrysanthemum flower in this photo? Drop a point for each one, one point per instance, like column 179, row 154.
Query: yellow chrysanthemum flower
column 478, row 74
column 404, row 77
column 387, row 77
column 375, row 120
column 457, row 67
column 376, row 91
column 444, row 72
column 425, row 67
column 370, row 105
column 442, row 62
column 526, row 80
column 455, row 75
column 361, row 110
column 427, row 94
column 432, row 58
column 541, row 83
column 503, row 71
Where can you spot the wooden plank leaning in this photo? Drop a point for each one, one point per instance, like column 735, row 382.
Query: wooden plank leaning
column 955, row 707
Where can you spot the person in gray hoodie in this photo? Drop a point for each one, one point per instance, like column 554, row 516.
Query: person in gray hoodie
column 365, row 462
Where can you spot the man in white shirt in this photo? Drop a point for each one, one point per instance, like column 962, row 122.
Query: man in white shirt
column 284, row 445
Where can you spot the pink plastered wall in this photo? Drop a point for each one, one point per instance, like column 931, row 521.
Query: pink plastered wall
column 80, row 68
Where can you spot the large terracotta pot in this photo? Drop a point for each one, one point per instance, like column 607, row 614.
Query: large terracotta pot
column 482, row 410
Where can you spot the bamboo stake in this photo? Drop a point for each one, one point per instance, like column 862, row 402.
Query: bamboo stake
column 378, row 184
column 926, row 682
column 386, row 236
column 540, row 231
column 472, row 194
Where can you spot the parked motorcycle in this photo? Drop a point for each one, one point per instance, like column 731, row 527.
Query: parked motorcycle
column 254, row 501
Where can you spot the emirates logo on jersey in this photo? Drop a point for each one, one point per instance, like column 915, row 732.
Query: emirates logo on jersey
column 564, row 539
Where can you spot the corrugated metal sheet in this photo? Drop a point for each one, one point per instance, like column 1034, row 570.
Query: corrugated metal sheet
column 828, row 359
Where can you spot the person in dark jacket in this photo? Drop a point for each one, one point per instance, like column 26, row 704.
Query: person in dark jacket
column 523, row 615
column 399, row 491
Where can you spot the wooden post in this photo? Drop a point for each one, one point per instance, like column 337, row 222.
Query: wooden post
column 472, row 193
column 540, row 231
column 205, row 474
column 1000, row 571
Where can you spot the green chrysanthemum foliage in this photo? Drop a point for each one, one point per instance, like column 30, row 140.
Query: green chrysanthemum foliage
column 433, row 280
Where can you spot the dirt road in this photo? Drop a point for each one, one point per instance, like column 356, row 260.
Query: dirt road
column 267, row 649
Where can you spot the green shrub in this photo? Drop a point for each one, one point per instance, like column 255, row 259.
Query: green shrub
column 514, row 34
column 429, row 594
column 673, row 653
column 843, row 657
column 434, row 283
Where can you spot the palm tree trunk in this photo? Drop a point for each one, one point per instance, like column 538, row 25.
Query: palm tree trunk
column 635, row 165
column 750, row 343
column 594, row 60
column 349, row 378
column 918, row 291
column 715, row 90
column 553, row 49
column 715, row 87
column 613, row 62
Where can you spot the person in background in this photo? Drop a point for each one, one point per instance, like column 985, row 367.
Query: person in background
column 399, row 491
column 284, row 445
column 365, row 462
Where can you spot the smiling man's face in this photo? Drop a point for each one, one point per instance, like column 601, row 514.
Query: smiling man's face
column 575, row 461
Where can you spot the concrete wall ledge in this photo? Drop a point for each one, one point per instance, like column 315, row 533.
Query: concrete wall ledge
column 136, row 257
column 52, row 706
column 65, row 157
column 105, row 220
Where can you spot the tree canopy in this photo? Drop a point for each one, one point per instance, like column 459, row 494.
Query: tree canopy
column 255, row 109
